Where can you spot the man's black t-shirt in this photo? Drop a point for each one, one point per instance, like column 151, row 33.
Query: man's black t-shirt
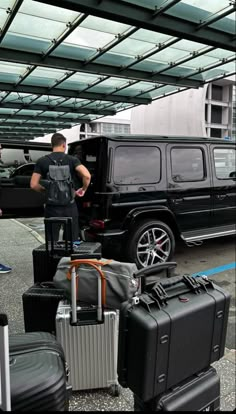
column 42, row 165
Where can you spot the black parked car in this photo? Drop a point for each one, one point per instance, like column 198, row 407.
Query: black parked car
column 17, row 160
column 147, row 191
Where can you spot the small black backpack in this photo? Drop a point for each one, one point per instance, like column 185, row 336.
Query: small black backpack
column 60, row 191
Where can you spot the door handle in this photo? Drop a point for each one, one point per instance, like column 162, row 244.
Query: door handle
column 221, row 196
column 178, row 200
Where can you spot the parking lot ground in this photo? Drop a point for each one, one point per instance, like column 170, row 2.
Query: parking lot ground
column 19, row 238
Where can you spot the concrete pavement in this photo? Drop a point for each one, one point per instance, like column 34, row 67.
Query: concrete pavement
column 16, row 244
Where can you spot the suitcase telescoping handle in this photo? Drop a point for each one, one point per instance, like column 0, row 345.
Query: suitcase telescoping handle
column 49, row 239
column 101, row 287
column 5, row 390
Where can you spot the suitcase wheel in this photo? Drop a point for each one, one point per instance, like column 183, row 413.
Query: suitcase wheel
column 115, row 390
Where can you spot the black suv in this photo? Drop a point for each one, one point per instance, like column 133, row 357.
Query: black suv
column 147, row 191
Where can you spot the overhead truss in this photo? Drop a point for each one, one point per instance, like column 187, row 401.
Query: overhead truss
column 67, row 62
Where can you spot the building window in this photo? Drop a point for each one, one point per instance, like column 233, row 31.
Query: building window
column 109, row 128
column 187, row 164
column 206, row 113
column 130, row 166
column 217, row 93
column 216, row 114
column 216, row 133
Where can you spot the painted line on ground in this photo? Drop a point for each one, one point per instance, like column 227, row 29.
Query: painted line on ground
column 33, row 233
column 215, row 270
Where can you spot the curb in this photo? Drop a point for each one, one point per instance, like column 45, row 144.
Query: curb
column 33, row 232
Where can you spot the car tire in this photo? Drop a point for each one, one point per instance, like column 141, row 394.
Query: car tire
column 151, row 242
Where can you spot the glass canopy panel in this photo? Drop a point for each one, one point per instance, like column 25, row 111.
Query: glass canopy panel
column 48, row 12
column 67, row 51
column 104, row 25
column 25, row 43
column 89, row 38
column 132, row 47
column 213, row 7
column 70, row 102
column 11, row 72
column 30, row 25
column 7, row 111
column 196, row 12
column 150, row 37
column 108, row 85
column 43, row 77
column 114, row 59
column 79, row 81
column 28, row 112
column 19, row 97
column 4, row 5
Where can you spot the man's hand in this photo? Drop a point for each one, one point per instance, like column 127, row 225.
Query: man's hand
column 80, row 192
column 0, row 212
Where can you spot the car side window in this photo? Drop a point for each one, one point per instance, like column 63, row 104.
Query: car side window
column 187, row 164
column 224, row 162
column 137, row 165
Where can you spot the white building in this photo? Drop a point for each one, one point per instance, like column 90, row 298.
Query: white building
column 206, row 112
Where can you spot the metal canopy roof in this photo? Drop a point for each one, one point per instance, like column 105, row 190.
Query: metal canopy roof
column 73, row 61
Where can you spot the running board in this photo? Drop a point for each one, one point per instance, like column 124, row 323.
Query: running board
column 209, row 233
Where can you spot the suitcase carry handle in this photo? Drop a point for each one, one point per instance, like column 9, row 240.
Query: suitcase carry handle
column 192, row 283
column 71, row 275
column 154, row 269
column 49, row 240
column 5, row 394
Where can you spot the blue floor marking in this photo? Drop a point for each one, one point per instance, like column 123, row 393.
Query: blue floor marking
column 215, row 270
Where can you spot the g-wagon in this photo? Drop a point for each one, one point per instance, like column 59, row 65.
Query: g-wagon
column 148, row 191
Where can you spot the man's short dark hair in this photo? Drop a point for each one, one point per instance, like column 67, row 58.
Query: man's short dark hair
column 57, row 139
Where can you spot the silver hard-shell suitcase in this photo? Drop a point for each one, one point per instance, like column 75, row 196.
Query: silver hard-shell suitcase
column 89, row 337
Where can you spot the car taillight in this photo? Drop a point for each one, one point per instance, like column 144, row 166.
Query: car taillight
column 87, row 204
column 98, row 224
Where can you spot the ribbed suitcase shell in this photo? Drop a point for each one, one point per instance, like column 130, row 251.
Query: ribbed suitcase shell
column 34, row 341
column 38, row 373
column 164, row 343
column 201, row 392
column 90, row 350
column 40, row 304
column 38, row 382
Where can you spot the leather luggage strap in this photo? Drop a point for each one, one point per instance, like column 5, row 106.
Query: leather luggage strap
column 96, row 264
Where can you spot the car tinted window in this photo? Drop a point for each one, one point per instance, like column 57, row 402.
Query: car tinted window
column 137, row 165
column 224, row 162
column 187, row 164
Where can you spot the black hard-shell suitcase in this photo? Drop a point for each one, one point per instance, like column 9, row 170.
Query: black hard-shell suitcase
column 47, row 256
column 40, row 304
column 170, row 333
column 33, row 372
column 201, row 392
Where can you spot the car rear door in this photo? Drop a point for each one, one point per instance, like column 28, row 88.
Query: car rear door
column 189, row 185
column 224, row 184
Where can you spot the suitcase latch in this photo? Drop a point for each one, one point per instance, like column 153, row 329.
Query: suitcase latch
column 146, row 300
column 192, row 283
column 159, row 294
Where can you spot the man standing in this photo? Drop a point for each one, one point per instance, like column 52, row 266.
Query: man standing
column 42, row 171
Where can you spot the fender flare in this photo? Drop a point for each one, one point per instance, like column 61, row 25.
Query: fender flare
column 137, row 212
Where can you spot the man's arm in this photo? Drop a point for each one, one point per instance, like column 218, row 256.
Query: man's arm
column 34, row 183
column 85, row 175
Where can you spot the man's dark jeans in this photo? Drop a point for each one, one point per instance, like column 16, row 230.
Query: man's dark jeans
column 64, row 211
